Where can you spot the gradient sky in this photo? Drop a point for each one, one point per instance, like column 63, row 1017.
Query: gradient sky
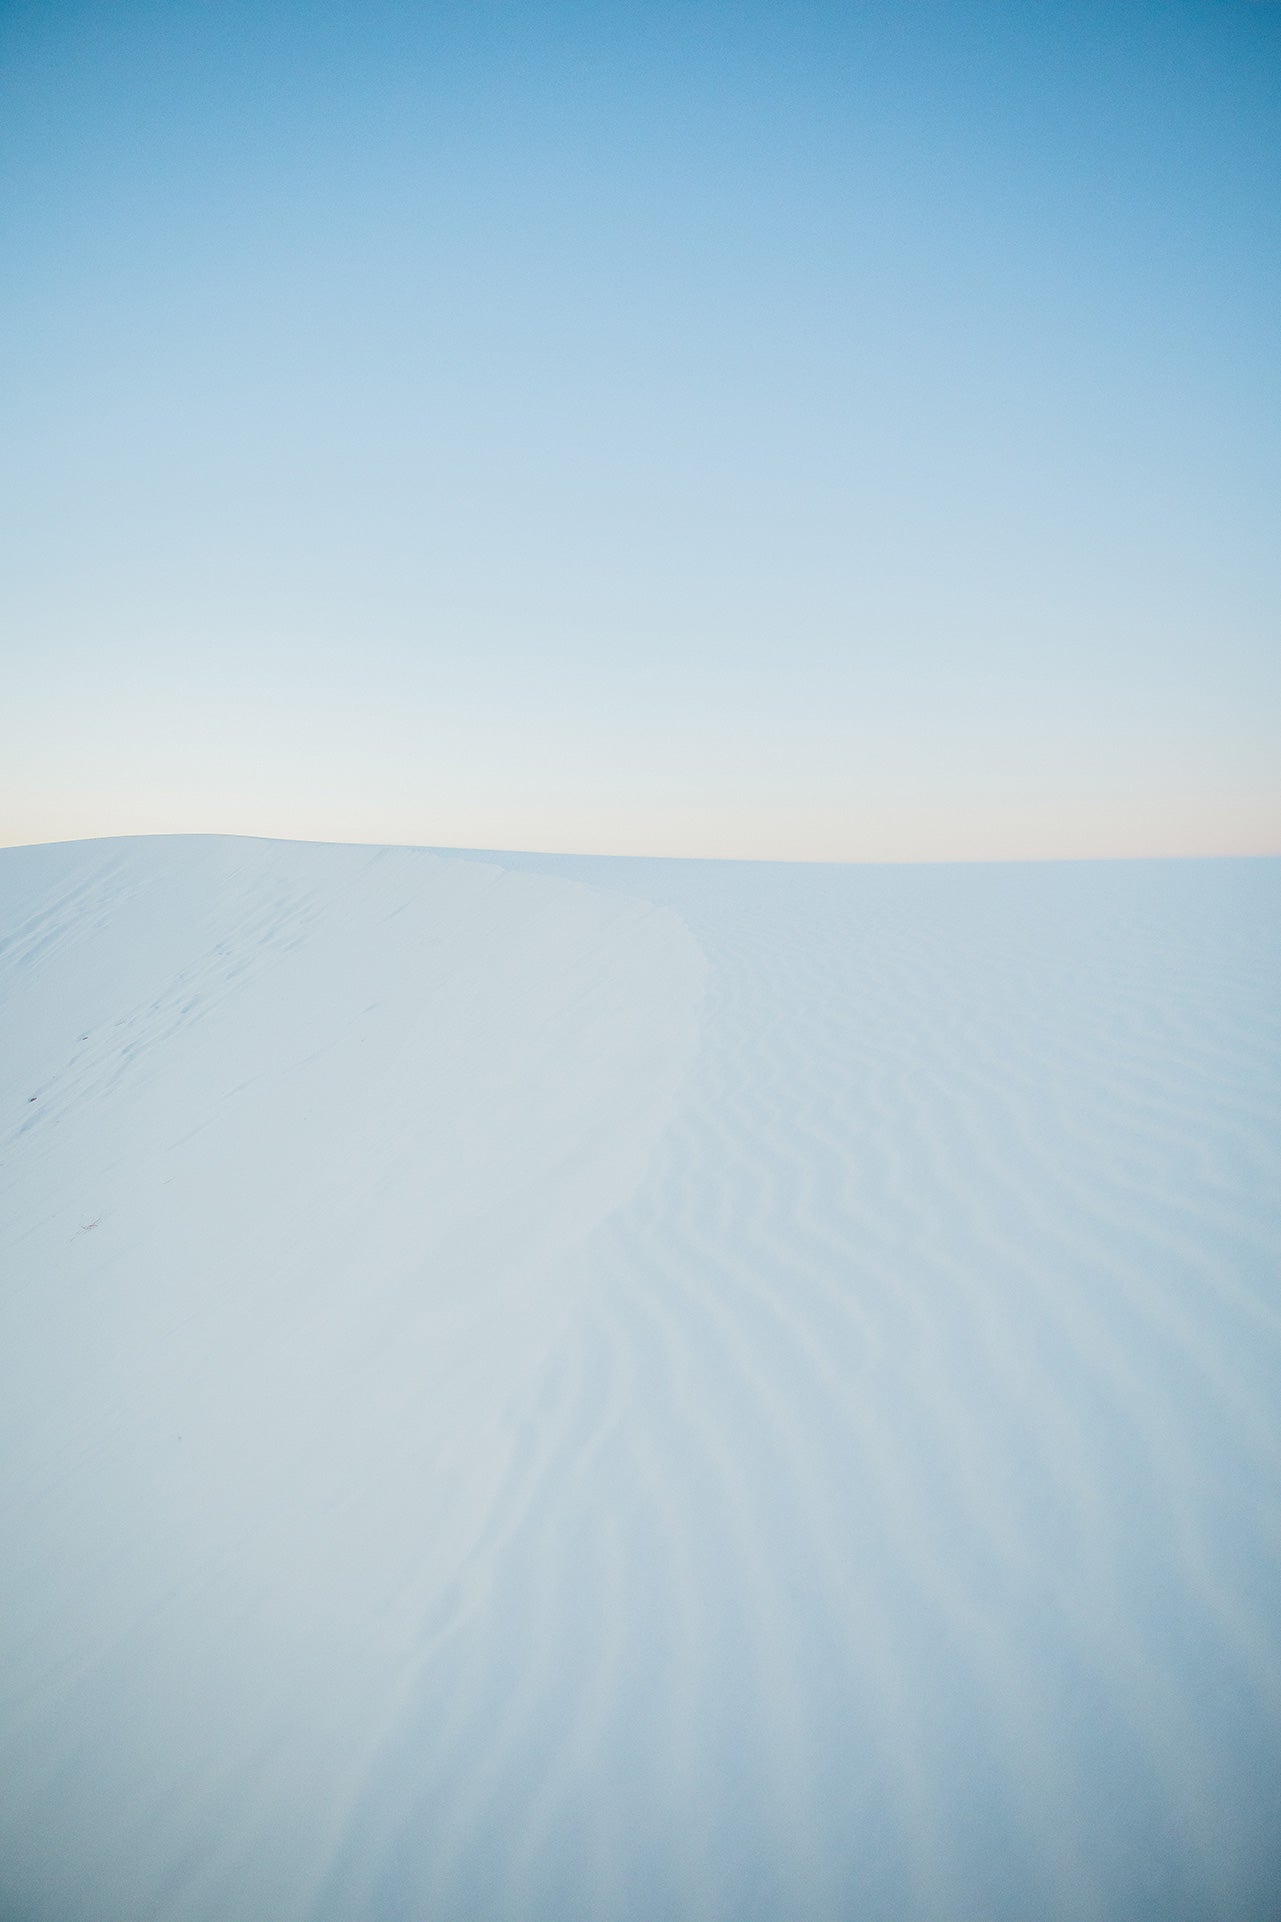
column 816, row 431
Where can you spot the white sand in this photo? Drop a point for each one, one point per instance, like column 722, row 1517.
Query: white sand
column 564, row 1389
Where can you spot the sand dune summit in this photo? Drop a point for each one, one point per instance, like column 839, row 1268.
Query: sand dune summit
column 552, row 1389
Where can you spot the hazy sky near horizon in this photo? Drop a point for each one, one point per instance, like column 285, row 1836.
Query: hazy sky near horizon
column 817, row 431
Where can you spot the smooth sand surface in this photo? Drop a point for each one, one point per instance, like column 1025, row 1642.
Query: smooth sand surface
column 559, row 1389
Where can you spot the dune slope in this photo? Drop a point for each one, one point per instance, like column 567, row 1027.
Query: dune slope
column 298, row 1147
column 556, row 1389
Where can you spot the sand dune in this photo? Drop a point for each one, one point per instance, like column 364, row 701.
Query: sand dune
column 544, row 1389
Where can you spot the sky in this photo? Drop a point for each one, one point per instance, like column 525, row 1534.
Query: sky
column 809, row 432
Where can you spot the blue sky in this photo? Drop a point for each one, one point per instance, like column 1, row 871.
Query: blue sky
column 822, row 432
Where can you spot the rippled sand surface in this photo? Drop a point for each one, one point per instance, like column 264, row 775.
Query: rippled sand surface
column 556, row 1388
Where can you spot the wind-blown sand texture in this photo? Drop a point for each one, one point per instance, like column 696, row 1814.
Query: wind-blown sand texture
column 571, row 1389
